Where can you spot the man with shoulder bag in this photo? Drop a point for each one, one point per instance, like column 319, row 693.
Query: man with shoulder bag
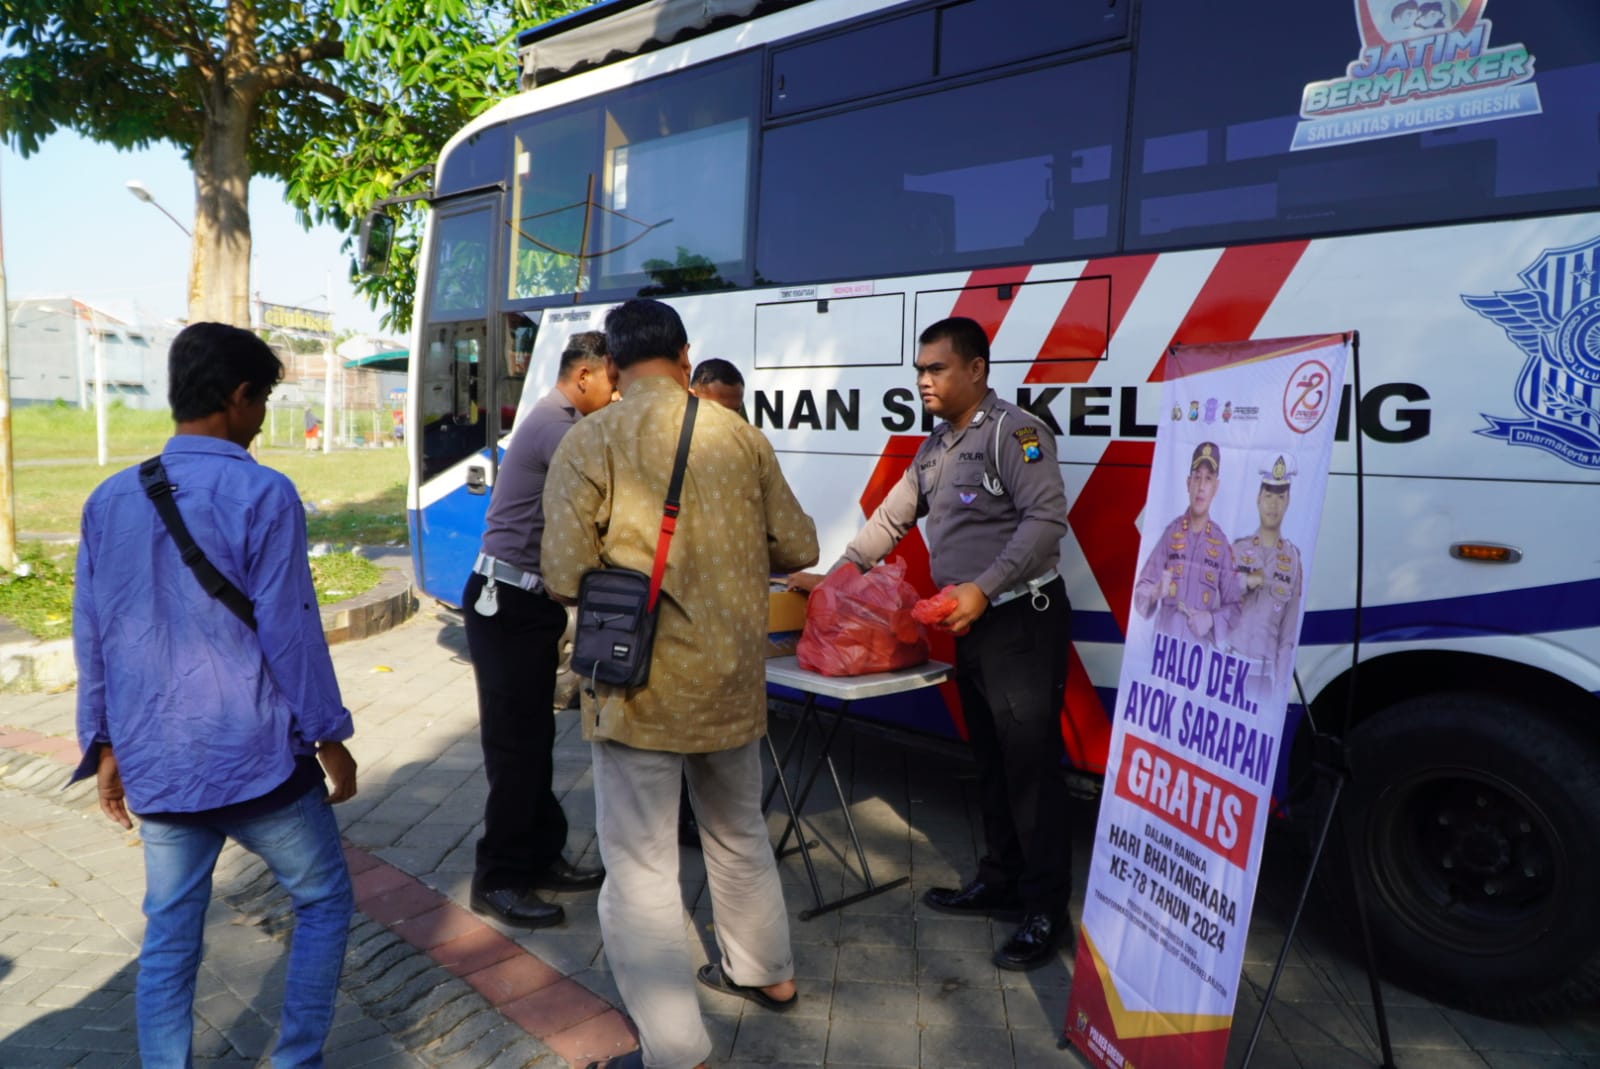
column 688, row 498
column 207, row 704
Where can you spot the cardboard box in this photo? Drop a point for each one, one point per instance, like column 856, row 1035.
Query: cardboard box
column 786, row 618
column 786, row 611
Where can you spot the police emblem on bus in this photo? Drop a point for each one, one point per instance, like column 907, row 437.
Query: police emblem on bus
column 1305, row 396
column 1423, row 65
column 1555, row 320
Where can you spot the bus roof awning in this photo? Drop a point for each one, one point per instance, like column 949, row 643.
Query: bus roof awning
column 616, row 29
column 393, row 360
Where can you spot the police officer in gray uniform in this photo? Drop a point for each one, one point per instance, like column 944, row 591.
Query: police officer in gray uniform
column 1272, row 578
column 1188, row 582
column 514, row 634
column 987, row 481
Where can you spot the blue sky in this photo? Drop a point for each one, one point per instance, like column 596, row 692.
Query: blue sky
column 71, row 228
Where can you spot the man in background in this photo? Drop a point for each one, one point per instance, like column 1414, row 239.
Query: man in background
column 514, row 634
column 717, row 380
column 703, row 710
column 212, row 722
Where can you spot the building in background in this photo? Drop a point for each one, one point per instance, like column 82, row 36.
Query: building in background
column 53, row 341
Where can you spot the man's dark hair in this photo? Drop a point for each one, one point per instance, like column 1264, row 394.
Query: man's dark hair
column 208, row 361
column 641, row 329
column 713, row 370
column 588, row 347
column 966, row 338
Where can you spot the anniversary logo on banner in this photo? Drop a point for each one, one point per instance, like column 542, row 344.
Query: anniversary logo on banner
column 1229, row 532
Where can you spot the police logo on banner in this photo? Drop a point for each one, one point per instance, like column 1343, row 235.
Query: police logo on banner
column 1555, row 321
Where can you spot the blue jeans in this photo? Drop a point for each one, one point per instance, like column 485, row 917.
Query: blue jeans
column 300, row 844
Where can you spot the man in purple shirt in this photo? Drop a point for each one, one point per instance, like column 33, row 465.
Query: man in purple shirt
column 514, row 633
column 203, row 726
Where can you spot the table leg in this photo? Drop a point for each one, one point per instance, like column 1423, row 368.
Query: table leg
column 782, row 783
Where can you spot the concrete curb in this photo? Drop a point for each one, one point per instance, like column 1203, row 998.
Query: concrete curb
column 389, row 604
column 32, row 665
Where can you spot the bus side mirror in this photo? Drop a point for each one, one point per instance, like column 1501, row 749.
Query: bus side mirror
column 377, row 238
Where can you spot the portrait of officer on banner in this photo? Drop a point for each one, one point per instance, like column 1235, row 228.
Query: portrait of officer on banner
column 1272, row 581
column 1188, row 583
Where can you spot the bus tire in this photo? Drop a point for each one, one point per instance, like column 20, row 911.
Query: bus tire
column 1472, row 818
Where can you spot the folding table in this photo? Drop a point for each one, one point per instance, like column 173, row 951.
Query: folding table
column 786, row 672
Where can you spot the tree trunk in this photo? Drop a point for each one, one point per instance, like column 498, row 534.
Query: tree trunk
column 219, row 268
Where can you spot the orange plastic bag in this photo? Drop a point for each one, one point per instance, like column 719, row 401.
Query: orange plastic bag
column 859, row 624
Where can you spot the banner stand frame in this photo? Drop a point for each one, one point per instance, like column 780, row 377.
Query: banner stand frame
column 1331, row 764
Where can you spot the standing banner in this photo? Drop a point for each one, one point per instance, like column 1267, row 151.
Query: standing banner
column 1229, row 533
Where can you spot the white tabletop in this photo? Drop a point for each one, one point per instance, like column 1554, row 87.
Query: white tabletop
column 786, row 672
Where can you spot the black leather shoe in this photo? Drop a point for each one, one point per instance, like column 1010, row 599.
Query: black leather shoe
column 976, row 899
column 563, row 875
column 520, row 909
column 1031, row 945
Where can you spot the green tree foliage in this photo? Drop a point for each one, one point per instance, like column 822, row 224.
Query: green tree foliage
column 337, row 98
column 423, row 69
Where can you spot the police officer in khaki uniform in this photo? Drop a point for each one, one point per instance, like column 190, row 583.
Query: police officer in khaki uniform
column 987, row 481
column 1188, row 583
column 1272, row 580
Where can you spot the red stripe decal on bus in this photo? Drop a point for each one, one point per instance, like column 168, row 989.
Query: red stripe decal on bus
column 1104, row 520
column 1078, row 340
column 1085, row 726
column 1240, row 289
column 980, row 300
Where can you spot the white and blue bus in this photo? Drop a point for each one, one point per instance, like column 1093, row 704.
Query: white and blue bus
column 812, row 182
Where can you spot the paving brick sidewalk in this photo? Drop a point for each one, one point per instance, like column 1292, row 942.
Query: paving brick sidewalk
column 883, row 982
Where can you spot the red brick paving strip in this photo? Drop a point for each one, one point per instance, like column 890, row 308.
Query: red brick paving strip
column 574, row 1022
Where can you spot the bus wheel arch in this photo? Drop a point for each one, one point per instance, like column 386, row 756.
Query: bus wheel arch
column 1471, row 812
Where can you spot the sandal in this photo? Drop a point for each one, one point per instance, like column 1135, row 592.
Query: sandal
column 713, row 977
column 634, row 1059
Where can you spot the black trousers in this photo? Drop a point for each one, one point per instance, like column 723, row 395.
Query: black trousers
column 1011, row 671
column 514, row 657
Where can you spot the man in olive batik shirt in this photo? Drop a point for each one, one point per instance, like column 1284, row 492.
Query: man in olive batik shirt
column 704, row 710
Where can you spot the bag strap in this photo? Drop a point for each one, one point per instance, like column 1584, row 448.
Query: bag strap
column 669, row 512
column 153, row 477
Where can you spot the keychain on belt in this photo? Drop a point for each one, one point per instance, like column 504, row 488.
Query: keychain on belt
column 488, row 602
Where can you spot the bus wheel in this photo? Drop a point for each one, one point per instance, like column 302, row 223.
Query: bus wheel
column 1473, row 819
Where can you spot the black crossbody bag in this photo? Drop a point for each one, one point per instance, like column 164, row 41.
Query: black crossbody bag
column 617, row 606
column 153, row 477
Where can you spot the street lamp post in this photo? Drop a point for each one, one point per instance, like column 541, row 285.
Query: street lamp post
column 136, row 187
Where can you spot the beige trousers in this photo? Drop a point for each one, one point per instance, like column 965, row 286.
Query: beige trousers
column 641, row 905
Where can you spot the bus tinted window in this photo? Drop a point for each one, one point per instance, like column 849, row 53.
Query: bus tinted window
column 1211, row 157
column 977, row 34
column 656, row 176
column 478, row 161
column 460, row 267
column 980, row 173
column 872, row 59
column 452, row 355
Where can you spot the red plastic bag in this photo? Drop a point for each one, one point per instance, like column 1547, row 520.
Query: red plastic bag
column 859, row 624
column 932, row 610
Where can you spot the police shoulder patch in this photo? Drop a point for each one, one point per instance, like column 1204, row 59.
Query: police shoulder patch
column 1028, row 441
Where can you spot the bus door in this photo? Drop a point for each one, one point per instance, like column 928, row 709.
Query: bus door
column 463, row 368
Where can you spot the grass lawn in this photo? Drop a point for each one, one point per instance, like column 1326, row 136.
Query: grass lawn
column 352, row 496
column 40, row 432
